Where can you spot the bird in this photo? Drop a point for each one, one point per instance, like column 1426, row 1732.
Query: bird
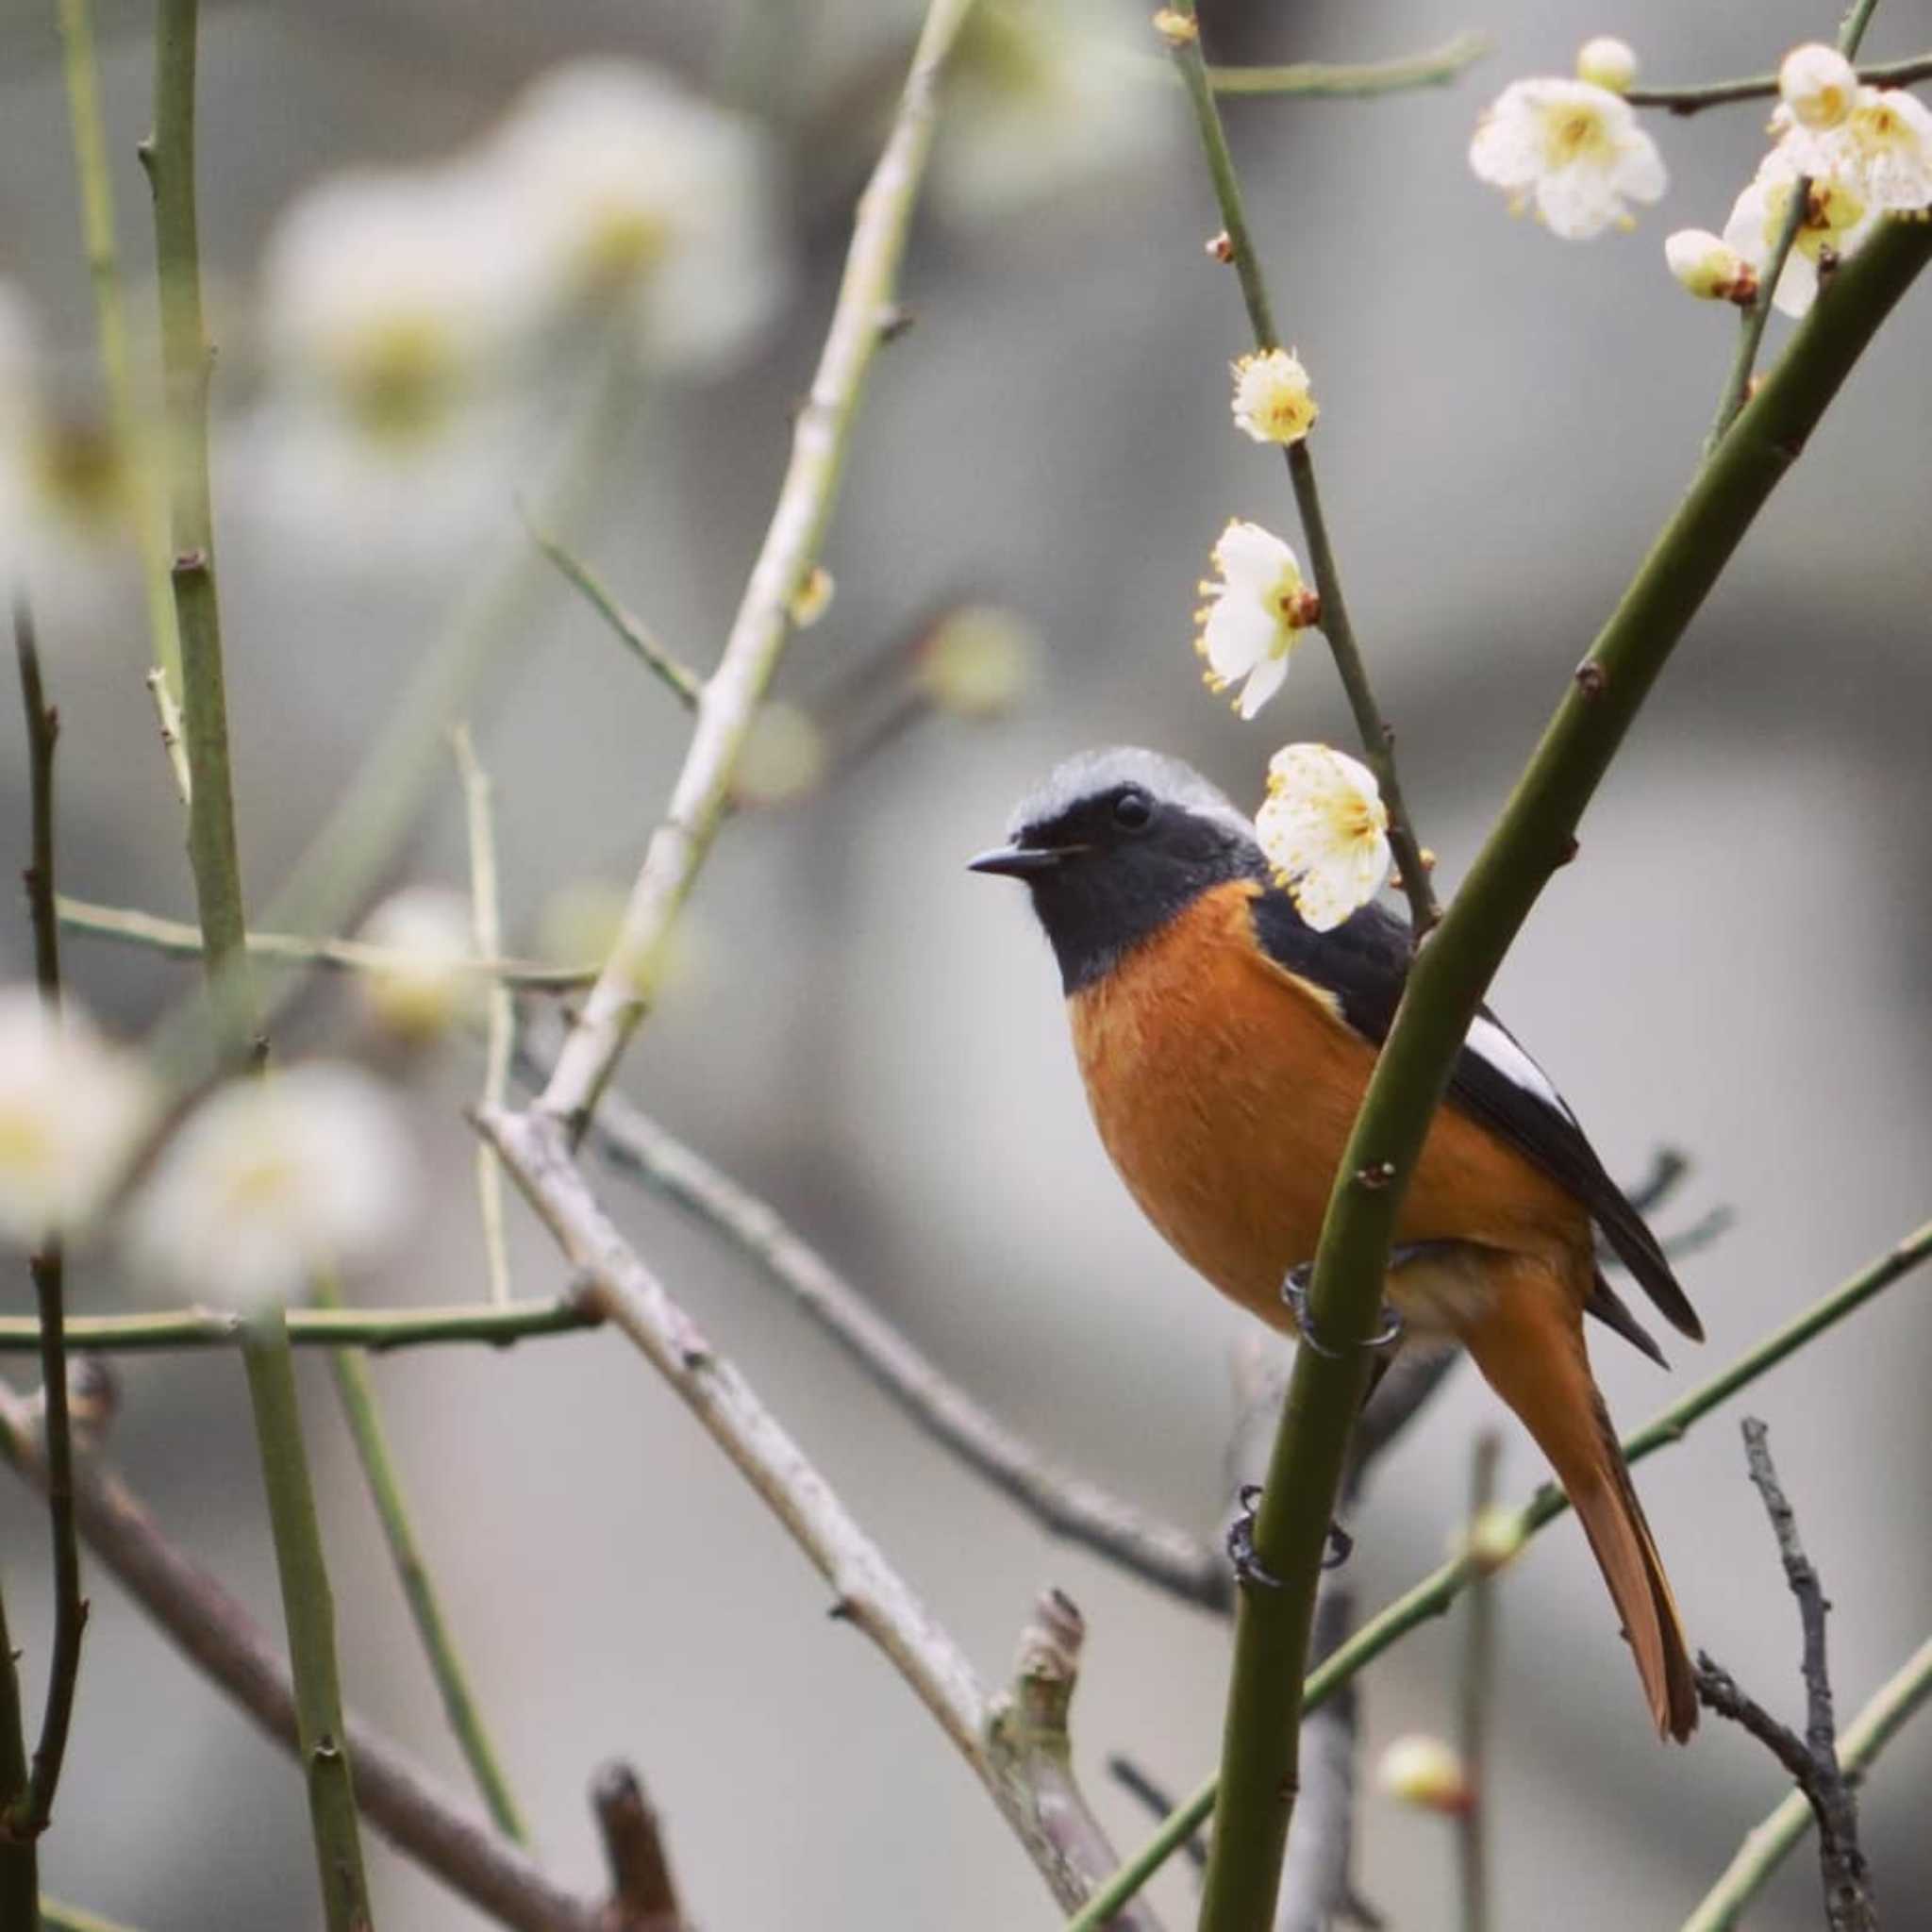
column 1225, row 1045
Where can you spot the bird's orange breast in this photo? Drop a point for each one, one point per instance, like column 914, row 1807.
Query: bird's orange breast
column 1224, row 1088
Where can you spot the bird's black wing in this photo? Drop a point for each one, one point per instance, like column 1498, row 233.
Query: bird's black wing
column 1363, row 962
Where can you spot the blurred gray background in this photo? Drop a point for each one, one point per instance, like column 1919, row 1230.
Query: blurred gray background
column 1737, row 964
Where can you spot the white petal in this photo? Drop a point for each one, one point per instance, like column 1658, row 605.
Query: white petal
column 1237, row 635
column 1264, row 682
column 1253, row 559
column 1507, row 148
column 1640, row 173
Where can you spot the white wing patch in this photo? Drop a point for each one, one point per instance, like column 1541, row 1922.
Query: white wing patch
column 1490, row 1042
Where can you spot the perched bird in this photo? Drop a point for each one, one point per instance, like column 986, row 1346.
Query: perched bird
column 1225, row 1046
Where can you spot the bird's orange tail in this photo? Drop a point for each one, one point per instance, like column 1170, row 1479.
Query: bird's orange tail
column 1530, row 1347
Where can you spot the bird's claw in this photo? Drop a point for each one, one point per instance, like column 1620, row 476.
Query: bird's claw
column 1240, row 1543
column 1294, row 1291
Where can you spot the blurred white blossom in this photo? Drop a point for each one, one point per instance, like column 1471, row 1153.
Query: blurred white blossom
column 1609, row 64
column 1836, row 220
column 1042, row 95
column 1255, row 615
column 785, row 755
column 1573, row 150
column 632, row 191
column 978, row 662
column 430, row 981
column 271, row 1180
column 72, row 1112
column 1325, row 831
column 1709, row 266
column 1271, row 399
column 1818, row 84
column 1427, row 1773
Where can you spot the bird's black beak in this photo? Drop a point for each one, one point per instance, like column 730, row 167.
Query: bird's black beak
column 1019, row 861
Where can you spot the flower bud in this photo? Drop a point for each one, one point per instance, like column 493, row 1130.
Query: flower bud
column 1425, row 1773
column 1709, row 266
column 1607, row 62
column 1494, row 1538
column 1817, row 84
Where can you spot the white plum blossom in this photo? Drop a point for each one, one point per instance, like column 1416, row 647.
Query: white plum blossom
column 428, row 981
column 1572, row 149
column 1427, row 1773
column 1272, row 401
column 72, row 1110
column 271, row 1181
column 1709, row 266
column 1325, row 831
column 633, row 192
column 1818, row 84
column 1255, row 614
column 1837, row 219
column 1042, row 97
column 1880, row 148
column 397, row 310
column 1607, row 62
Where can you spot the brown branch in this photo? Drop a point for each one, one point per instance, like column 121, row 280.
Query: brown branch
column 643, row 1897
column 1031, row 1747
column 1068, row 1505
column 867, row 1591
column 1812, row 1760
column 414, row 1812
column 48, row 1267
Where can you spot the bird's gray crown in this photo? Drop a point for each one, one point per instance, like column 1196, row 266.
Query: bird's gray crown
column 1093, row 774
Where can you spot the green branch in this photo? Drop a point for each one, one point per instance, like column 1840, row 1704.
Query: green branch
column 1430, row 1597
column 20, row 1884
column 1353, row 80
column 186, row 360
column 630, row 630
column 1764, row 87
column 308, row 1610
column 380, row 1329
column 1766, row 1847
column 135, row 928
column 129, row 421
column 29, row 1818
column 1378, row 736
column 356, row 1390
column 1445, row 986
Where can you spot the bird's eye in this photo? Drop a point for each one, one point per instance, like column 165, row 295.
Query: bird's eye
column 1133, row 811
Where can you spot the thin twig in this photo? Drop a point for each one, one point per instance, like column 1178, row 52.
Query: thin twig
column 868, row 1591
column 1766, row 1846
column 761, row 629
column 129, row 419
column 631, row 630
column 500, row 1043
column 1353, row 80
column 643, row 1897
column 1477, row 1688
column 1753, row 321
column 1031, row 1746
column 1446, row 983
column 356, row 1390
column 1430, row 1597
column 168, row 718
column 1378, row 736
column 1812, row 1760
column 48, row 1268
column 1137, row 1783
column 1764, row 87
column 402, row 1800
column 309, row 1612
column 135, row 928
column 187, row 359
column 19, row 1856
column 1066, row 1503
column 373, row 1328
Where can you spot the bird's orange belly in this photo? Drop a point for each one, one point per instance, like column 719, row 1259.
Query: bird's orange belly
column 1224, row 1091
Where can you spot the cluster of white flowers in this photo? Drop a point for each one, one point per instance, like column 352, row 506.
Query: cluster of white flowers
column 1322, row 824
column 1864, row 152
column 402, row 310
column 265, row 1182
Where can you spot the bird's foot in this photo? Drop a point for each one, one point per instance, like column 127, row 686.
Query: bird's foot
column 1248, row 1569
column 1294, row 1291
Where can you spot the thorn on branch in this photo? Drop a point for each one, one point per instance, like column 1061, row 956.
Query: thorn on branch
column 1812, row 1760
column 643, row 1897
